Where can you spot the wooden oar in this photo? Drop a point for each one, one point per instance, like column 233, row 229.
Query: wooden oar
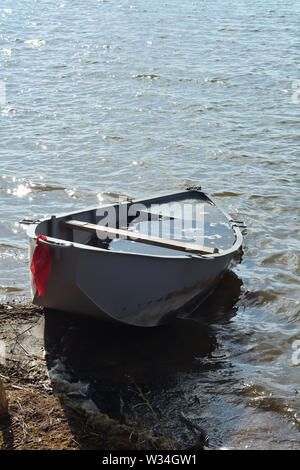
column 139, row 237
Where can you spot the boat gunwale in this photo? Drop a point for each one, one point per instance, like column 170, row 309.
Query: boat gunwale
column 57, row 242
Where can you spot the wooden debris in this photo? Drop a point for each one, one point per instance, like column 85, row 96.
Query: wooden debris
column 3, row 402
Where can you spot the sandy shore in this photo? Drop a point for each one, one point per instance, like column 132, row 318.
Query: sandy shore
column 44, row 410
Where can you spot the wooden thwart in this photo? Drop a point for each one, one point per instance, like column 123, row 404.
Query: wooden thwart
column 139, row 237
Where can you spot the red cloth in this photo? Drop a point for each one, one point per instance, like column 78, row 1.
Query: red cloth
column 41, row 266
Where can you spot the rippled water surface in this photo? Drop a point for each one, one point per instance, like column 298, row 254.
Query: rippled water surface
column 107, row 98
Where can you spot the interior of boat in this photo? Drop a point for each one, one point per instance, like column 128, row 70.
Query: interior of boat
column 188, row 217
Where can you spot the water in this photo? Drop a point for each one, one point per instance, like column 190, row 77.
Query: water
column 128, row 98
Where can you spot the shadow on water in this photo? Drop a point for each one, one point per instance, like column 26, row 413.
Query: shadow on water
column 121, row 363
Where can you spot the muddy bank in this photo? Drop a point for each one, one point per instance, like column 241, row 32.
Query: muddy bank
column 50, row 407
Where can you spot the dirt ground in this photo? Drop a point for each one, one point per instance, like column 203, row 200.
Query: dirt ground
column 40, row 417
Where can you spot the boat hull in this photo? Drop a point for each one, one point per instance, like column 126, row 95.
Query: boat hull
column 137, row 290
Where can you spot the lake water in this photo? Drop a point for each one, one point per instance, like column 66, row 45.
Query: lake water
column 106, row 98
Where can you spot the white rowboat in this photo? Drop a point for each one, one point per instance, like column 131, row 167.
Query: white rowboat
column 138, row 262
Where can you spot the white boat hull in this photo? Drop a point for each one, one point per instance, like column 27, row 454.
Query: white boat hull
column 141, row 291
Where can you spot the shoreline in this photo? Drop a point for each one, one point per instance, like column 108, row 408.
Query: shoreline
column 44, row 410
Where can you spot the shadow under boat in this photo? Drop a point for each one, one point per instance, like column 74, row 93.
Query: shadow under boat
column 117, row 360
